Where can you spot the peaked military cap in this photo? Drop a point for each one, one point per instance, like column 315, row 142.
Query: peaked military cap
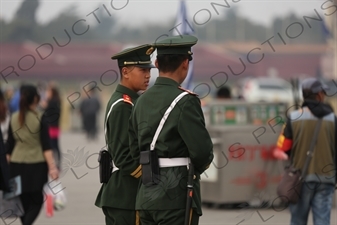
column 180, row 44
column 138, row 56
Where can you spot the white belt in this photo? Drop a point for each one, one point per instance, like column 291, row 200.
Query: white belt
column 114, row 167
column 173, row 162
column 164, row 162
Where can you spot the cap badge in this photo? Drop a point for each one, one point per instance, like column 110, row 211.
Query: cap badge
column 149, row 51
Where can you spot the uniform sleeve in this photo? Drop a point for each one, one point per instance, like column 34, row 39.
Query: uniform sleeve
column 195, row 135
column 133, row 138
column 118, row 136
column 44, row 134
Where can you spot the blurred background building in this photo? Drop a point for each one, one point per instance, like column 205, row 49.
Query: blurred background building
column 74, row 48
column 260, row 50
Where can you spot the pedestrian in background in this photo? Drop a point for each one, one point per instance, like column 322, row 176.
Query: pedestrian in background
column 29, row 153
column 224, row 93
column 14, row 101
column 5, row 117
column 89, row 109
column 4, row 166
column 319, row 183
column 42, row 87
column 52, row 111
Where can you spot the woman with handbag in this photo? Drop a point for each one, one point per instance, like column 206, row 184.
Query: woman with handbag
column 29, row 153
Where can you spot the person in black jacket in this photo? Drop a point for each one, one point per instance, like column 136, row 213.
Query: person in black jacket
column 89, row 110
column 52, row 113
column 4, row 166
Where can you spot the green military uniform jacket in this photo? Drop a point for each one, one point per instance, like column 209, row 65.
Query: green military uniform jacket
column 121, row 189
column 183, row 135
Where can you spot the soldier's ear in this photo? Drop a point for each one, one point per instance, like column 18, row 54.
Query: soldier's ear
column 185, row 64
column 125, row 72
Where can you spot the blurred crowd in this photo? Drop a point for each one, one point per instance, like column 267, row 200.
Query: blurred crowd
column 30, row 155
column 49, row 103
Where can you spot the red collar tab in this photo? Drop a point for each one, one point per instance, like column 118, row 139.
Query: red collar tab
column 126, row 98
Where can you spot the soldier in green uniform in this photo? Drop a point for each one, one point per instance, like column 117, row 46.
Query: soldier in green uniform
column 117, row 197
column 183, row 138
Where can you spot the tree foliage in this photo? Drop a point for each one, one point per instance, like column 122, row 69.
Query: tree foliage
column 230, row 27
column 23, row 26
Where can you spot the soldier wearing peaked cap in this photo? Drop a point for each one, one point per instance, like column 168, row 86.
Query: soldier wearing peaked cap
column 117, row 196
column 168, row 144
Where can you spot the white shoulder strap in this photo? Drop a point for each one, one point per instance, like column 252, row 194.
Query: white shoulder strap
column 107, row 116
column 162, row 121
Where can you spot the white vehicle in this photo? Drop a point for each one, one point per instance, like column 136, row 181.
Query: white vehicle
column 267, row 89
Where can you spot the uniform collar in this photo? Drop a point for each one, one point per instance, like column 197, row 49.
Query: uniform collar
column 166, row 81
column 124, row 90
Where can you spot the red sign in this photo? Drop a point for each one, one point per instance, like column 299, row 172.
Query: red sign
column 260, row 179
column 239, row 152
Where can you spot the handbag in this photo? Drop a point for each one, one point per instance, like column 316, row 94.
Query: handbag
column 60, row 197
column 10, row 208
column 55, row 197
column 290, row 186
column 10, row 202
column 49, row 200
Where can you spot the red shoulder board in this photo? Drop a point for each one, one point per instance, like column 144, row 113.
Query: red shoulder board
column 126, row 98
column 190, row 92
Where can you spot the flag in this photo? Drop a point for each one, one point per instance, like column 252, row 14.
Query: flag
column 183, row 27
column 325, row 30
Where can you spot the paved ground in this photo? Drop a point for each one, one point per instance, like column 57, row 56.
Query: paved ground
column 81, row 183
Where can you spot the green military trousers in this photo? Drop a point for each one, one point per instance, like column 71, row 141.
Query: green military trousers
column 114, row 216
column 166, row 217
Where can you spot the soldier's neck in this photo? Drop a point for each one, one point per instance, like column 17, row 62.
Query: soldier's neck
column 172, row 75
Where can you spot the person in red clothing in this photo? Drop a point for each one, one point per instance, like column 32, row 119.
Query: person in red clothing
column 52, row 111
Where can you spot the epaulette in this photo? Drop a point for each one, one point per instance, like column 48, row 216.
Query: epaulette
column 126, row 98
column 190, row 92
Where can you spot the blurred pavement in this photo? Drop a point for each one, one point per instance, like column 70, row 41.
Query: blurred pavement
column 81, row 183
